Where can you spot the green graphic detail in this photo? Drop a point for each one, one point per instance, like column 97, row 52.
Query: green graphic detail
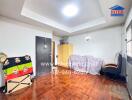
column 18, row 68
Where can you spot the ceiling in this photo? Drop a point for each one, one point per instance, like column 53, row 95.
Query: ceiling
column 53, row 10
column 93, row 14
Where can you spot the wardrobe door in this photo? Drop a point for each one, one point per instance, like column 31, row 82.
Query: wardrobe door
column 64, row 52
column 43, row 55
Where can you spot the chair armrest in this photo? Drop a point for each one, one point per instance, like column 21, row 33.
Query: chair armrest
column 110, row 65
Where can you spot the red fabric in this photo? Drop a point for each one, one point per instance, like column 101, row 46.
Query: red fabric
column 20, row 73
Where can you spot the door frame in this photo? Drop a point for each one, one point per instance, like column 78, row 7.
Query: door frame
column 53, row 53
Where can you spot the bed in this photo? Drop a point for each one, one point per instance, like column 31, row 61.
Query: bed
column 87, row 64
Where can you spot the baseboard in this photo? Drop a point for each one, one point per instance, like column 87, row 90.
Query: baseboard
column 64, row 67
column 130, row 95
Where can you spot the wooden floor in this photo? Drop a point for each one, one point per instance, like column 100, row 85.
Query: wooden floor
column 70, row 85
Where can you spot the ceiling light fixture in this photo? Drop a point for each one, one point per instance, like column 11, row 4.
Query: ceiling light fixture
column 70, row 10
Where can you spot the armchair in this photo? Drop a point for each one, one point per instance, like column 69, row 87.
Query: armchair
column 113, row 69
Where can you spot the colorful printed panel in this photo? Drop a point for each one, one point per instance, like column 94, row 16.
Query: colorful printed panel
column 17, row 66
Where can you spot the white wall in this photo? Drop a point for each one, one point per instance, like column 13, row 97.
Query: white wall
column 57, row 42
column 18, row 39
column 129, row 18
column 105, row 43
column 124, row 43
column 128, row 66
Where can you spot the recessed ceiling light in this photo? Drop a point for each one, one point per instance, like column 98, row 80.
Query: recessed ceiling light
column 70, row 10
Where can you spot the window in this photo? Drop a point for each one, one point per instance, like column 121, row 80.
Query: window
column 129, row 42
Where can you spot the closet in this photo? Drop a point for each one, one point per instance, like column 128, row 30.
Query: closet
column 64, row 52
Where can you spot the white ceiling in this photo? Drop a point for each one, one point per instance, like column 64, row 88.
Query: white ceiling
column 93, row 14
column 52, row 9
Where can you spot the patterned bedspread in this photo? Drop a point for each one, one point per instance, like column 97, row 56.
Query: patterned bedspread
column 88, row 64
